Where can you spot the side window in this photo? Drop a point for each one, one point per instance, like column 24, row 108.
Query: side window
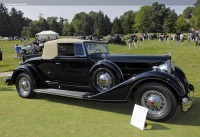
column 78, row 50
column 65, row 49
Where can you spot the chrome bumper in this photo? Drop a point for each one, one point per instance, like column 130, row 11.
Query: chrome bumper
column 186, row 104
column 188, row 101
column 6, row 80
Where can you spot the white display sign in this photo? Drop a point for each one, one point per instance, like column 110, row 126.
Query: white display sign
column 139, row 116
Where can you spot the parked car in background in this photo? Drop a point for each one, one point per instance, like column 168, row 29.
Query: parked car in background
column 95, row 37
column 81, row 36
column 85, row 69
column 32, row 48
column 117, row 39
column 153, row 36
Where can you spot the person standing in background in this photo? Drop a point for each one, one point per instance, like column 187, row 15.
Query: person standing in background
column 197, row 40
column 17, row 51
column 181, row 38
column 130, row 43
column 135, row 41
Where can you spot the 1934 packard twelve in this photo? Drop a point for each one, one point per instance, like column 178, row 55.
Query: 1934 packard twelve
column 84, row 69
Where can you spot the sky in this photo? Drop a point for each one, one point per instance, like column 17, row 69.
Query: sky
column 68, row 12
column 68, row 8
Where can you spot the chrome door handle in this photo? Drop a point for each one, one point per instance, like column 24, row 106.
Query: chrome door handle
column 57, row 63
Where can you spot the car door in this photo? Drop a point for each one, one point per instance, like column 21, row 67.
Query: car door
column 72, row 63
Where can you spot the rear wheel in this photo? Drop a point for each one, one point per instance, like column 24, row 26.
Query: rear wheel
column 158, row 98
column 24, row 85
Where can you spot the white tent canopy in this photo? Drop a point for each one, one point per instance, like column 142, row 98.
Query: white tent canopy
column 46, row 35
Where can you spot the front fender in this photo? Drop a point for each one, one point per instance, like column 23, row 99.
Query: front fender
column 122, row 91
column 166, row 78
column 26, row 68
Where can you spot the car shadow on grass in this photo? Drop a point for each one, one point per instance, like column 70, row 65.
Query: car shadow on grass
column 7, row 89
column 190, row 118
column 123, row 108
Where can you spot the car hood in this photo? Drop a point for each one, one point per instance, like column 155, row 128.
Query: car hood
column 137, row 58
column 152, row 59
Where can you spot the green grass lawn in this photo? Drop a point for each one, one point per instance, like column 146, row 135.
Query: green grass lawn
column 55, row 116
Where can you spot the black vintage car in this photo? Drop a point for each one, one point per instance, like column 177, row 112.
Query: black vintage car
column 84, row 69
column 117, row 39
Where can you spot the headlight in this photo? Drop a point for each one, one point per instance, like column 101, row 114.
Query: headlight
column 168, row 67
column 165, row 68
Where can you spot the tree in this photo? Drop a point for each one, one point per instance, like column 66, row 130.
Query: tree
column 24, row 32
column 65, row 30
column 78, row 21
column 43, row 24
column 5, row 28
column 142, row 20
column 196, row 18
column 182, row 25
column 127, row 20
column 117, row 28
column 159, row 14
column 101, row 24
column 61, row 25
column 71, row 30
column 17, row 22
column 197, row 4
column 53, row 24
column 169, row 24
column 108, row 25
column 187, row 12
column 32, row 29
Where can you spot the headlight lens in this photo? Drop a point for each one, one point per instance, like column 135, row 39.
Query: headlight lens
column 168, row 67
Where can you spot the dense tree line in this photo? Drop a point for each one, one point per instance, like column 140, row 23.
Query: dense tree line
column 154, row 18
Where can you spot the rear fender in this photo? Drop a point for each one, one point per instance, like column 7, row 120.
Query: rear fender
column 29, row 69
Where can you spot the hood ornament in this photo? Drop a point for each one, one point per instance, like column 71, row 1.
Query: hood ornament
column 170, row 53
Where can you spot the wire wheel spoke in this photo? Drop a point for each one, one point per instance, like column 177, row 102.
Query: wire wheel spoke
column 154, row 101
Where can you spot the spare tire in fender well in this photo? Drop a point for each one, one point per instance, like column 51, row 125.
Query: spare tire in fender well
column 110, row 65
column 104, row 75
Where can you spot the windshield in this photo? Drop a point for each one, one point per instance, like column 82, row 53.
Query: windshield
column 96, row 48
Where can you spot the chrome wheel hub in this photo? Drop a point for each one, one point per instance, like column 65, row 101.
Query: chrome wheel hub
column 24, row 85
column 104, row 80
column 154, row 101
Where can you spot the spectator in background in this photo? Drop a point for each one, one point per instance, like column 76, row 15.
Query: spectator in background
column 130, row 43
column 135, row 41
column 168, row 39
column 17, row 51
column 181, row 38
column 173, row 37
column 141, row 40
column 197, row 40
column 177, row 38
column 189, row 37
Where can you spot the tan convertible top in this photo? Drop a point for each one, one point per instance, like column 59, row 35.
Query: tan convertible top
column 51, row 50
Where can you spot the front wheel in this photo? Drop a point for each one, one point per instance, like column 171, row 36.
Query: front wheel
column 25, row 86
column 158, row 98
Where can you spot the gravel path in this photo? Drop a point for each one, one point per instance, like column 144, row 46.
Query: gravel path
column 5, row 74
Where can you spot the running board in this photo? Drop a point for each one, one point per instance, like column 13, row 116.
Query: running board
column 66, row 93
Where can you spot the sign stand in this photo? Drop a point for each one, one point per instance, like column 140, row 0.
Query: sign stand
column 139, row 117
